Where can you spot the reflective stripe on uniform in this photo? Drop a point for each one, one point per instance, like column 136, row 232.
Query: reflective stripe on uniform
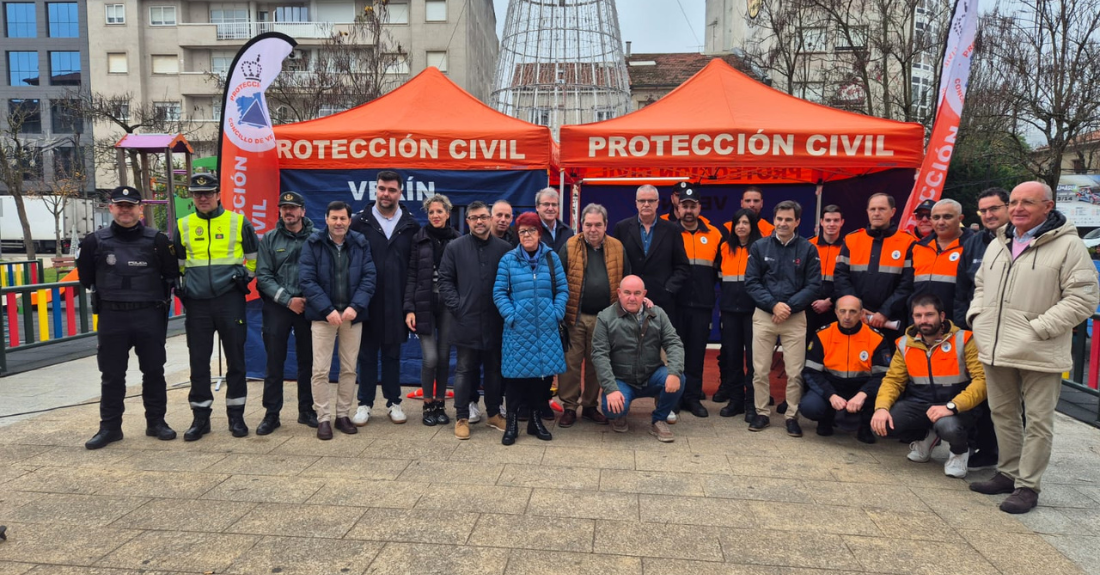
column 202, row 404
column 235, row 401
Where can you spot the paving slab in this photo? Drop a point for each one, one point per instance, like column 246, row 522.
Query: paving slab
column 533, row 532
column 526, row 562
column 397, row 559
column 187, row 551
column 305, row 556
column 414, row 526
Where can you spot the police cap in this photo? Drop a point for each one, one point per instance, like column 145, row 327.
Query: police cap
column 125, row 195
column 289, row 198
column 204, row 183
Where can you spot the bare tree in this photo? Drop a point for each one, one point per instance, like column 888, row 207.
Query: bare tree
column 354, row 65
column 20, row 162
column 68, row 183
column 1041, row 63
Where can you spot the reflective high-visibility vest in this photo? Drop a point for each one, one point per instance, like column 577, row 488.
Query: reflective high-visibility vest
column 936, row 271
column 213, row 253
column 847, row 356
column 828, row 254
column 938, row 374
column 701, row 247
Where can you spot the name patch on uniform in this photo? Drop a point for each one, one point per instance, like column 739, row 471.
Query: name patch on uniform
column 219, row 237
column 137, row 264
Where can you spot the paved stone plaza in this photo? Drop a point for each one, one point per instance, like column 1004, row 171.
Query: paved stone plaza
column 409, row 498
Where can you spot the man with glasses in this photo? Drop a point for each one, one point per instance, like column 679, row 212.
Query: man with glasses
column 993, row 210
column 554, row 231
column 655, row 251
column 389, row 231
column 132, row 269
column 923, row 216
column 1035, row 285
column 217, row 255
column 467, row 273
column 936, row 257
column 876, row 265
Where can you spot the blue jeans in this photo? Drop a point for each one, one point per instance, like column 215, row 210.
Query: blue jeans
column 655, row 387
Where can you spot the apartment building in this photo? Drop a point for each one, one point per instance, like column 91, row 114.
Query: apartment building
column 167, row 55
column 45, row 66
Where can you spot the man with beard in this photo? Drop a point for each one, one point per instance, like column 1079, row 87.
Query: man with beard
column 502, row 222
column 932, row 387
column 753, row 199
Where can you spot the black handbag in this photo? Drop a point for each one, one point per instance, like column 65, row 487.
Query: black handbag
column 563, row 329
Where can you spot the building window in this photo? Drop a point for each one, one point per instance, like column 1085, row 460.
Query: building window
column 435, row 10
column 64, row 22
column 400, row 64
column 811, row 40
column 1079, row 166
column 120, row 109
column 23, row 69
column 65, row 117
column 605, row 114
column 231, row 24
column 438, row 59
column 220, row 62
column 117, row 64
column 116, row 13
column 397, row 12
column 64, row 68
column 167, row 111
column 329, row 109
column 20, row 19
column 292, row 14
column 27, row 114
column 166, row 64
column 540, row 116
column 162, row 15
column 855, row 38
column 68, row 161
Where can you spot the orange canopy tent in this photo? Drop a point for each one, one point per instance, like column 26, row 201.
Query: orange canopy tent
column 721, row 126
column 427, row 123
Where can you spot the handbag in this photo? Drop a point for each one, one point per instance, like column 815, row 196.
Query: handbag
column 563, row 329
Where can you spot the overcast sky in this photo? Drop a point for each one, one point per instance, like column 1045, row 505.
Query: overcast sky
column 650, row 25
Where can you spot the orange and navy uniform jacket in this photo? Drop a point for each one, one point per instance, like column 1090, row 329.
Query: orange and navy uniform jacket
column 734, row 260
column 846, row 361
column 877, row 267
column 948, row 372
column 936, row 271
column 766, row 228
column 829, row 254
column 703, row 247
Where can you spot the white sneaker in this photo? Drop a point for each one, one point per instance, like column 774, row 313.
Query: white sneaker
column 397, row 415
column 672, row 418
column 956, row 465
column 921, row 451
column 475, row 415
column 362, row 416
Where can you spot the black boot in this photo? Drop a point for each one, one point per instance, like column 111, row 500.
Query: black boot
column 270, row 423
column 200, row 426
column 428, row 418
column 160, row 430
column 825, row 424
column 441, row 413
column 511, row 429
column 236, row 422
column 103, row 437
column 536, row 427
column 308, row 418
column 735, row 407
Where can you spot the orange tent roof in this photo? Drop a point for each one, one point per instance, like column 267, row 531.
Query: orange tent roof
column 427, row 123
column 722, row 126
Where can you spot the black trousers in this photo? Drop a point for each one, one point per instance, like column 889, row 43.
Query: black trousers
column 910, row 416
column 693, row 327
column 279, row 320
column 368, row 368
column 735, row 358
column 145, row 331
column 468, row 363
column 224, row 315
column 984, row 437
column 525, row 392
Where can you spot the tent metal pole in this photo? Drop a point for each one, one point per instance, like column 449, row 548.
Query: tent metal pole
column 817, row 218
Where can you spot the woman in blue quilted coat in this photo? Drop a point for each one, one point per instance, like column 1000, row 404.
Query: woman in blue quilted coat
column 531, row 307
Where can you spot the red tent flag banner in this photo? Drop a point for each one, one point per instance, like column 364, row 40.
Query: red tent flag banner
column 247, row 163
column 953, row 82
column 725, row 127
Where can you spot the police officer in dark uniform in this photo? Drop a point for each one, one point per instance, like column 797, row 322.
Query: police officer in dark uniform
column 217, row 250
column 132, row 269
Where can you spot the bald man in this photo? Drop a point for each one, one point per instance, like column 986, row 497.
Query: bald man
column 626, row 351
column 1035, row 284
column 845, row 362
column 936, row 257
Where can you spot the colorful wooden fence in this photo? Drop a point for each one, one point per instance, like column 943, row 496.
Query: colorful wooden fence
column 20, row 273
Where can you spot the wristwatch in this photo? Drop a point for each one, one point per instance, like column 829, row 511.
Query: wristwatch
column 954, row 408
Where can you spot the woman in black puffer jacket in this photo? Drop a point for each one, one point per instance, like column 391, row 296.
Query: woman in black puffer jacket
column 425, row 314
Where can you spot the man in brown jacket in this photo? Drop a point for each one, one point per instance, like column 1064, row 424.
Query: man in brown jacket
column 1035, row 284
column 594, row 265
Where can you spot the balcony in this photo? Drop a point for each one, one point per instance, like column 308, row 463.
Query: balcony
column 214, row 35
column 197, row 84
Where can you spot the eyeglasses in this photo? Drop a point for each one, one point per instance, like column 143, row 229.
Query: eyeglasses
column 922, row 216
column 647, row 201
column 203, row 194
column 482, row 218
column 527, row 231
column 991, row 209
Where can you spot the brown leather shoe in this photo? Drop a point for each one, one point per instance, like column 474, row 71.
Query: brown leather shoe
column 592, row 414
column 1022, row 500
column 568, row 418
column 999, row 483
column 324, row 430
column 345, row 425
